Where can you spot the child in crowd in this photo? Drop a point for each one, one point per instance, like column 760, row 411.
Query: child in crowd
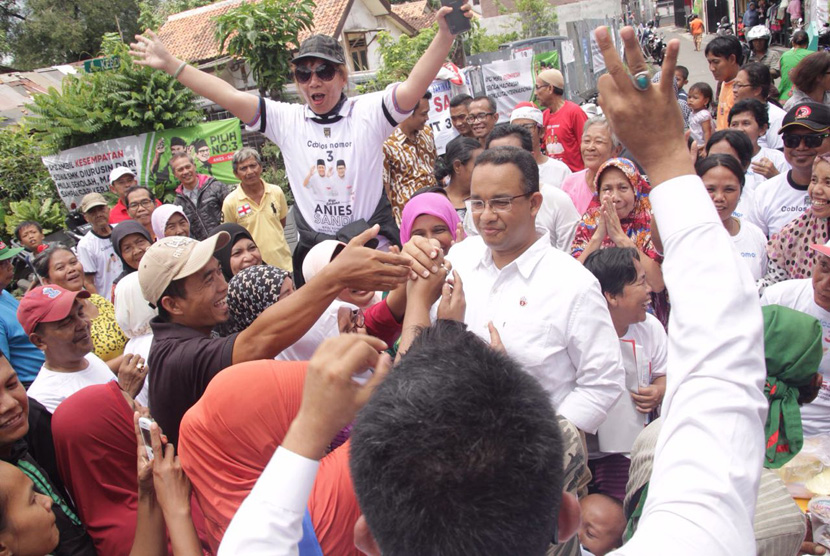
column 701, row 123
column 603, row 524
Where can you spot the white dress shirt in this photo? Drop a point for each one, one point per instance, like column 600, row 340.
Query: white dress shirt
column 552, row 319
column 270, row 520
column 557, row 214
column 703, row 488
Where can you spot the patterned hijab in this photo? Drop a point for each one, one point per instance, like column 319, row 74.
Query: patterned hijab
column 251, row 291
column 637, row 225
column 790, row 250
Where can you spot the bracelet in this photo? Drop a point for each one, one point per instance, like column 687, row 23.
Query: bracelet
column 179, row 70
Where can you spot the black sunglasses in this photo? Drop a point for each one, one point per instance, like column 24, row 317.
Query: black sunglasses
column 325, row 72
column 810, row 141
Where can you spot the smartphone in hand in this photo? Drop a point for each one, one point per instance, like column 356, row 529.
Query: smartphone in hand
column 146, row 439
column 456, row 20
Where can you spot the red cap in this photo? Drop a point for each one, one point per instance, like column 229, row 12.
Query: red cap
column 46, row 304
column 823, row 249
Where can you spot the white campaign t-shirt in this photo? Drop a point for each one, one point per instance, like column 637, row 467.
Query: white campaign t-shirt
column 50, row 388
column 558, row 216
column 751, row 244
column 798, row 295
column 775, row 203
column 328, row 203
column 553, row 172
column 776, row 157
column 772, row 138
column 98, row 256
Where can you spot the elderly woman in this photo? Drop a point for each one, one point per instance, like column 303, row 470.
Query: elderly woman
column 789, row 252
column 170, row 220
column 141, row 203
column 754, row 81
column 58, row 265
column 619, row 214
column 598, row 145
column 240, row 252
column 811, row 80
column 330, row 127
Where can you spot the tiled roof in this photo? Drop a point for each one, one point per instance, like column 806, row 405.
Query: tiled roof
column 416, row 14
column 190, row 35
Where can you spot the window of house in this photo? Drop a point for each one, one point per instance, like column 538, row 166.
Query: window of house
column 358, row 50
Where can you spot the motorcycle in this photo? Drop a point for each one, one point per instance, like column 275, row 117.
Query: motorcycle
column 724, row 28
column 658, row 49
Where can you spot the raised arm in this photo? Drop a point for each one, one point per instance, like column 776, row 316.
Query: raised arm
column 409, row 93
column 707, row 463
column 148, row 50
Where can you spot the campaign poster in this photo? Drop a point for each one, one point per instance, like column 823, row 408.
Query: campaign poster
column 439, row 114
column 211, row 145
column 509, row 82
column 86, row 169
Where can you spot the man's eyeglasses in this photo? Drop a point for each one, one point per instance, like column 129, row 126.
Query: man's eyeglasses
column 480, row 117
column 325, row 72
column 812, row 141
column 146, row 203
column 542, row 86
column 499, row 204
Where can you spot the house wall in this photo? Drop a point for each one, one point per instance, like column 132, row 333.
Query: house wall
column 586, row 9
column 361, row 18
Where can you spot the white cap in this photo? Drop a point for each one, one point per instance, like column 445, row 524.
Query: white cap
column 119, row 171
column 527, row 113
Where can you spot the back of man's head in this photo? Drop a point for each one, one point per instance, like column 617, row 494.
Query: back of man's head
column 500, row 131
column 613, row 267
column 800, row 38
column 458, row 452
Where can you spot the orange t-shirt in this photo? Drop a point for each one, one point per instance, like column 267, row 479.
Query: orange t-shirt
column 696, row 26
column 726, row 100
column 229, row 436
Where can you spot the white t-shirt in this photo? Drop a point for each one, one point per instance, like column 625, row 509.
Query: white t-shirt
column 553, row 172
column 98, row 256
column 356, row 139
column 50, row 388
column 776, row 202
column 772, row 139
column 798, row 295
column 751, row 244
column 776, row 157
column 558, row 216
column 325, row 327
column 140, row 345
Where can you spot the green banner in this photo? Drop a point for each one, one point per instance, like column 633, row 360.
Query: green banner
column 211, row 145
column 541, row 62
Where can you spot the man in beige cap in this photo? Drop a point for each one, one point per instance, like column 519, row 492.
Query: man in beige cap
column 95, row 250
column 181, row 277
column 563, row 120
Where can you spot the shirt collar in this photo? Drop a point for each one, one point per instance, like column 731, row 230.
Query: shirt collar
column 527, row 261
column 342, row 109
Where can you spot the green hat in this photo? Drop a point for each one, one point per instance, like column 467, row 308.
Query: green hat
column 7, row 252
column 793, row 352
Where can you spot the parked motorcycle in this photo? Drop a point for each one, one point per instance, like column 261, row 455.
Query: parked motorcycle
column 724, row 27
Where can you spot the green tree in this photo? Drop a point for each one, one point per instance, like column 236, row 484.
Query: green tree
column 478, row 40
column 60, row 31
column 537, row 17
column 153, row 13
column 264, row 34
column 129, row 100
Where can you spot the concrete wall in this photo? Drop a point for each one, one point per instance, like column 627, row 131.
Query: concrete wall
column 361, row 18
column 586, row 9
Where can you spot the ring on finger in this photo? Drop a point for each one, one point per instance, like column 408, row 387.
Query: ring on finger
column 641, row 80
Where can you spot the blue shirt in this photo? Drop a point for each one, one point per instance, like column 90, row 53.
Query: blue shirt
column 25, row 358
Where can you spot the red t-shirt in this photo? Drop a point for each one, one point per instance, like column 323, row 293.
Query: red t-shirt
column 563, row 134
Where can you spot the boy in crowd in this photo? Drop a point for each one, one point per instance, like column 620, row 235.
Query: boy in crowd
column 725, row 57
column 681, row 77
column 751, row 116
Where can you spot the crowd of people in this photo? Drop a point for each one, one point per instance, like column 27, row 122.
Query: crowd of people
column 516, row 347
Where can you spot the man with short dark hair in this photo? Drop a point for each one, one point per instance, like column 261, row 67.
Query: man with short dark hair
column 546, row 307
column 789, row 60
column 482, row 117
column 725, row 56
column 563, row 120
column 181, row 277
column 162, row 175
column 459, row 110
column 14, row 342
column 94, row 250
column 121, row 179
column 409, row 158
column 200, row 196
column 783, row 198
column 258, row 207
column 751, row 116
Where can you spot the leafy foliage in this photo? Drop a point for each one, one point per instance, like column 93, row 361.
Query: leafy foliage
column 94, row 107
column 274, row 170
column 538, row 18
column 478, row 40
column 48, row 213
column 61, row 31
column 21, row 171
column 153, row 13
column 264, row 33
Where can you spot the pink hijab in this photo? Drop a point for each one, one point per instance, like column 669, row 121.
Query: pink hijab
column 434, row 204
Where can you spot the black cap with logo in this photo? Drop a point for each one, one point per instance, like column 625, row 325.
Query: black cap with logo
column 812, row 115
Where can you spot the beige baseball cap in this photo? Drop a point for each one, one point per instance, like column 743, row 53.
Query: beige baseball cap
column 92, row 200
column 174, row 258
column 552, row 77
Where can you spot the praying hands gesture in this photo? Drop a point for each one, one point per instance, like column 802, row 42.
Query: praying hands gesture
column 613, row 228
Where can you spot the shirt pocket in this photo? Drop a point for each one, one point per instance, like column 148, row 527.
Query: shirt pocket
column 527, row 342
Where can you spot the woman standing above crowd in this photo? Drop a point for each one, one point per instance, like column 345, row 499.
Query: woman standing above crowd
column 598, row 145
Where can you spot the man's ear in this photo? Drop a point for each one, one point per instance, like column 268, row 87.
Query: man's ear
column 610, row 298
column 5, row 549
column 363, row 539
column 172, row 305
column 535, row 202
column 570, row 516
column 37, row 341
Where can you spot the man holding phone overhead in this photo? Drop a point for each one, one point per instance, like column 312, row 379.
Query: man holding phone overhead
column 329, row 127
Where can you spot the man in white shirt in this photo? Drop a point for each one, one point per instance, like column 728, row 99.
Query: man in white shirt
column 95, row 250
column 557, row 214
column 751, row 116
column 811, row 296
column 57, row 324
column 777, row 201
column 706, row 474
column 547, row 308
column 551, row 170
